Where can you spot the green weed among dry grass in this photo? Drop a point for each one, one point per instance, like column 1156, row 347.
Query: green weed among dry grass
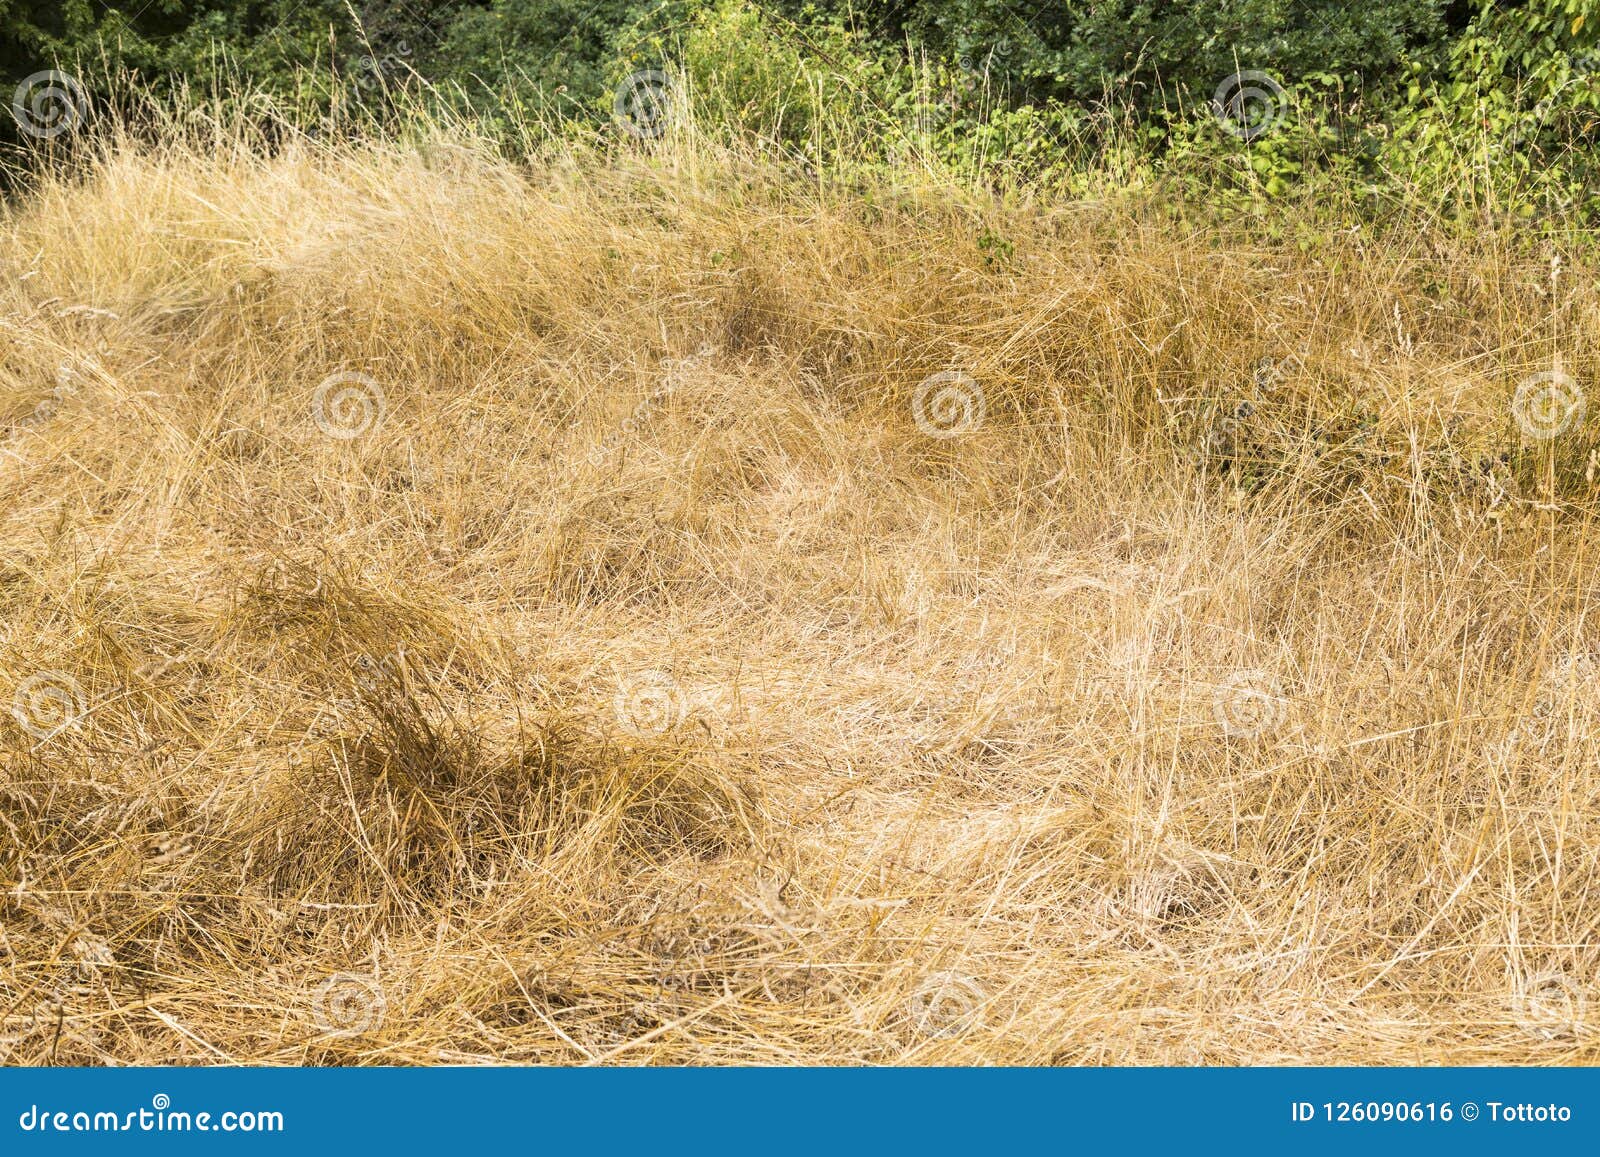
column 660, row 611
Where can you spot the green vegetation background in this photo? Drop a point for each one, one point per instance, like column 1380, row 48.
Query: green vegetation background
column 1454, row 104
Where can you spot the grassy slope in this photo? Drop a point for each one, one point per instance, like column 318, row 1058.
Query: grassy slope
column 774, row 728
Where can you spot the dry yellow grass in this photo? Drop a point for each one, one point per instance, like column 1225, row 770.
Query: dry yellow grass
column 639, row 682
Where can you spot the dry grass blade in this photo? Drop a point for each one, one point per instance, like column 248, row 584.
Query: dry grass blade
column 645, row 613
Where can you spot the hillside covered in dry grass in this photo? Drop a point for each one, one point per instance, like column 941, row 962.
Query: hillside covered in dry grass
column 667, row 611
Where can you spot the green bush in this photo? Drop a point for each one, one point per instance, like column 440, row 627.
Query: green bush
column 1469, row 105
